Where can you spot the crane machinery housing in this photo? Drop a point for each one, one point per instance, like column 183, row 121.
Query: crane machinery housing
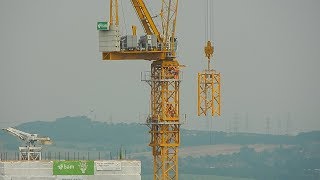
column 30, row 152
column 159, row 46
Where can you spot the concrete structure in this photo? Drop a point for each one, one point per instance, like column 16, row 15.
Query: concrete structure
column 44, row 170
column 109, row 40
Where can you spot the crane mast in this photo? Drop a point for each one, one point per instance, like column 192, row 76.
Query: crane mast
column 164, row 120
column 164, row 79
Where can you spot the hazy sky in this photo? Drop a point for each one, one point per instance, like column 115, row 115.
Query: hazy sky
column 268, row 52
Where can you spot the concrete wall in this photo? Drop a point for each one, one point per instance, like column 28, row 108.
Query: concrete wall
column 43, row 170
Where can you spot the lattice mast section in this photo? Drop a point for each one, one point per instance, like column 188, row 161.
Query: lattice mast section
column 164, row 119
column 209, row 93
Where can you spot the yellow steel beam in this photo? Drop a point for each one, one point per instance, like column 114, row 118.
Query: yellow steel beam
column 114, row 12
column 169, row 12
column 134, row 30
column 145, row 18
column 164, row 121
column 134, row 55
column 209, row 93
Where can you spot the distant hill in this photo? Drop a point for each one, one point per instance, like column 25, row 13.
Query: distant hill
column 74, row 132
column 234, row 155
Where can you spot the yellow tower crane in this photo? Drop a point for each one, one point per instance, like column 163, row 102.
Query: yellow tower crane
column 209, row 83
column 164, row 77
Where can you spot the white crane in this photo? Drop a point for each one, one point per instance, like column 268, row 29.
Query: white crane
column 30, row 151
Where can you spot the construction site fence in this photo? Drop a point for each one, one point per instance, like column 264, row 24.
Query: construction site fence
column 67, row 156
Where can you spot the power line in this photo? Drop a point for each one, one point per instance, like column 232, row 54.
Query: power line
column 268, row 125
column 247, row 122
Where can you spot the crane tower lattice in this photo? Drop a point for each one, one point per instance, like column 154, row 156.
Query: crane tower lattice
column 164, row 78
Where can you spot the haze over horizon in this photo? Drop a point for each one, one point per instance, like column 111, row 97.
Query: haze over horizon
column 267, row 52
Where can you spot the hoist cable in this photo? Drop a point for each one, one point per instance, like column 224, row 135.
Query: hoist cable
column 124, row 18
column 206, row 21
column 212, row 20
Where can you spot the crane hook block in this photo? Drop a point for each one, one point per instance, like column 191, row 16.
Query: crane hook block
column 208, row 50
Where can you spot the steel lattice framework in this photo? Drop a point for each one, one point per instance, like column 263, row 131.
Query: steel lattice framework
column 114, row 11
column 209, row 80
column 168, row 14
column 164, row 119
column 209, row 99
column 165, row 78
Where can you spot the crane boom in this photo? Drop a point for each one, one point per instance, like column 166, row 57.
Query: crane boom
column 20, row 134
column 166, row 44
column 27, row 137
column 169, row 12
column 145, row 18
column 114, row 12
